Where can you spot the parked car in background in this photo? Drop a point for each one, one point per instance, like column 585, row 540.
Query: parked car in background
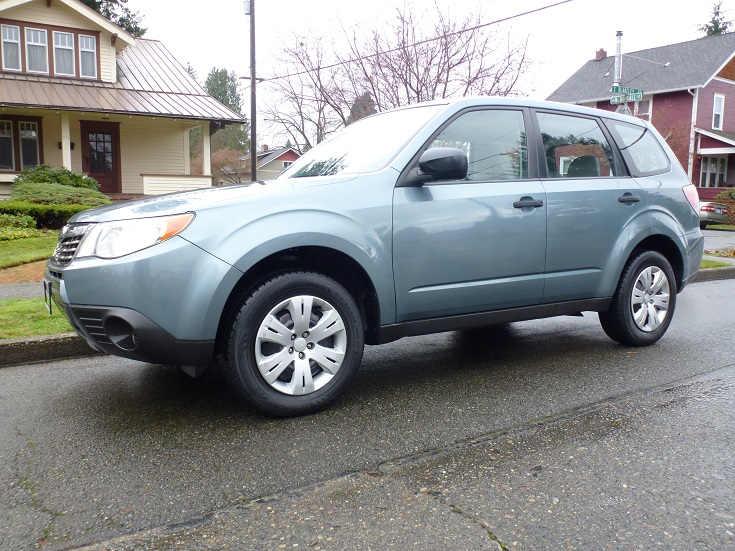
column 711, row 212
column 434, row 217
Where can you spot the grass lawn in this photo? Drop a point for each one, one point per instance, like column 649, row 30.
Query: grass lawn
column 22, row 251
column 28, row 317
column 712, row 264
column 721, row 227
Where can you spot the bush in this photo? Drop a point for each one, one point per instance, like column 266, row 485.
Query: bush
column 55, row 194
column 45, row 174
column 17, row 221
column 11, row 234
column 46, row 216
column 729, row 193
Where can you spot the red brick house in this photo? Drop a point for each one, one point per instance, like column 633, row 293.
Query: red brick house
column 688, row 95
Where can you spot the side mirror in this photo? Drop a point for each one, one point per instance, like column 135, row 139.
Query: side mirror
column 440, row 163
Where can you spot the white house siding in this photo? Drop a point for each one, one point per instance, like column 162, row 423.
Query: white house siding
column 150, row 147
column 59, row 15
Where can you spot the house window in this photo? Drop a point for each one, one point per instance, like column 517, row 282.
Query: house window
column 87, row 56
column 713, row 171
column 287, row 164
column 64, row 54
column 29, row 155
column 36, row 51
column 7, row 152
column 718, row 111
column 11, row 48
column 21, row 142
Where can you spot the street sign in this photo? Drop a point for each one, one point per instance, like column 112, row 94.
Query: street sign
column 626, row 90
column 616, row 100
column 637, row 96
column 625, row 97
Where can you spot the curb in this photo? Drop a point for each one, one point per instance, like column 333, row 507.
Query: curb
column 64, row 346
column 43, row 348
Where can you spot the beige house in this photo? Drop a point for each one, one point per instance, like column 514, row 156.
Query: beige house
column 77, row 91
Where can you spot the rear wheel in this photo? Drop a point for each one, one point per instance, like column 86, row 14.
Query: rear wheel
column 644, row 301
column 294, row 344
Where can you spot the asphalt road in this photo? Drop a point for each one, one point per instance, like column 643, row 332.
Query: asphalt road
column 93, row 449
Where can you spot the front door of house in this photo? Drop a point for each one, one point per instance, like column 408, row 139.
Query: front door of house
column 101, row 154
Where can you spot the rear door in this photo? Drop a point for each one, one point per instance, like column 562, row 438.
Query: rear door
column 476, row 244
column 593, row 208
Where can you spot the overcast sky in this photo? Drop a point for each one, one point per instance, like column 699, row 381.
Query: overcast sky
column 215, row 33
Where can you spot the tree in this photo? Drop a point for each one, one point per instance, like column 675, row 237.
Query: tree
column 222, row 86
column 717, row 25
column 415, row 58
column 117, row 12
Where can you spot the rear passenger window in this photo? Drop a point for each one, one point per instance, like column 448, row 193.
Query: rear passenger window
column 575, row 147
column 640, row 148
column 494, row 141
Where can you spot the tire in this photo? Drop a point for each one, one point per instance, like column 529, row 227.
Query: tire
column 286, row 365
column 644, row 301
column 702, row 225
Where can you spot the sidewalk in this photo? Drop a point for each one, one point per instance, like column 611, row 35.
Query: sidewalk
column 70, row 345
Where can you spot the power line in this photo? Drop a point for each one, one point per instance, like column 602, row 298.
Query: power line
column 419, row 43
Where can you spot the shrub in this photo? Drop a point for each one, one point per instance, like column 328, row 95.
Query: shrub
column 55, row 194
column 729, row 193
column 11, row 234
column 45, row 174
column 46, row 216
column 17, row 221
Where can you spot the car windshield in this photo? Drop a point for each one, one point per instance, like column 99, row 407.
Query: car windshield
column 365, row 146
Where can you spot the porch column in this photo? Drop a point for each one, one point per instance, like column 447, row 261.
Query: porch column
column 206, row 150
column 65, row 142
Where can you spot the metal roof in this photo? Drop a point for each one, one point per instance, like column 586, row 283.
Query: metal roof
column 681, row 66
column 149, row 82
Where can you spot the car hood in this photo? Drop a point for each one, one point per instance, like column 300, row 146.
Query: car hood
column 191, row 201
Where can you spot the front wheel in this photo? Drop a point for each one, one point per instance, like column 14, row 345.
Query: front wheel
column 294, row 344
column 644, row 301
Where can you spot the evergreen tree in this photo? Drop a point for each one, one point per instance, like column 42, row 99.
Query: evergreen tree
column 717, row 25
column 117, row 12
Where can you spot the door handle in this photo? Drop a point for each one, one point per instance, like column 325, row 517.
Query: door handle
column 628, row 198
column 528, row 202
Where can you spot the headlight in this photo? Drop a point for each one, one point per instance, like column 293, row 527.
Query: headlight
column 116, row 239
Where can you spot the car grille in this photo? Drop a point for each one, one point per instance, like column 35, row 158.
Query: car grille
column 92, row 323
column 69, row 239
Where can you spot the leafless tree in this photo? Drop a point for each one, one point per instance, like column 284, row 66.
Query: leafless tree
column 410, row 60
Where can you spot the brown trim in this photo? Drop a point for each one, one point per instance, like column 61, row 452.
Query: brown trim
column 23, row 25
column 16, row 119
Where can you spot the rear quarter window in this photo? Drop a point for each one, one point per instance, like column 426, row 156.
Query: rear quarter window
column 640, row 148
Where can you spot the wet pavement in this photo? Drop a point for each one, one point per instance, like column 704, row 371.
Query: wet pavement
column 541, row 435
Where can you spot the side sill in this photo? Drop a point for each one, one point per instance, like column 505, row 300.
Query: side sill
column 397, row 331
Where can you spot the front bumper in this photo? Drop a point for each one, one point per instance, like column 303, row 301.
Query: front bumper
column 127, row 333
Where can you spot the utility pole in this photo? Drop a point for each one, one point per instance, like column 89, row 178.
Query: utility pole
column 250, row 10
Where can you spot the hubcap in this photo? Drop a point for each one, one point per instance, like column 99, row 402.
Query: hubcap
column 300, row 345
column 649, row 302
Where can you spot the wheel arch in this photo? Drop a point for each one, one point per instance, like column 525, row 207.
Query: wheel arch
column 669, row 249
column 332, row 263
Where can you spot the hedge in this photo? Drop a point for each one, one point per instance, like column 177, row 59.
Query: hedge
column 45, row 174
column 56, row 194
column 46, row 216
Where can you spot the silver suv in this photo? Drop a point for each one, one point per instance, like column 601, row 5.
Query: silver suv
column 435, row 217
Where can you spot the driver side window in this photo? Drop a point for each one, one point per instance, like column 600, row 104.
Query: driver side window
column 494, row 141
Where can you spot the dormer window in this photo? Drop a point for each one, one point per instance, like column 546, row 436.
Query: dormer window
column 11, row 48
column 36, row 51
column 49, row 50
column 87, row 56
column 64, row 53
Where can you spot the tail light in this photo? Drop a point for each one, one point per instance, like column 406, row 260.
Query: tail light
column 692, row 196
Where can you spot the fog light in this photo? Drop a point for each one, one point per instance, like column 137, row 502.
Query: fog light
column 121, row 333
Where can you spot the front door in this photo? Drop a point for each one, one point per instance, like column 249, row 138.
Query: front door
column 101, row 154
column 472, row 245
